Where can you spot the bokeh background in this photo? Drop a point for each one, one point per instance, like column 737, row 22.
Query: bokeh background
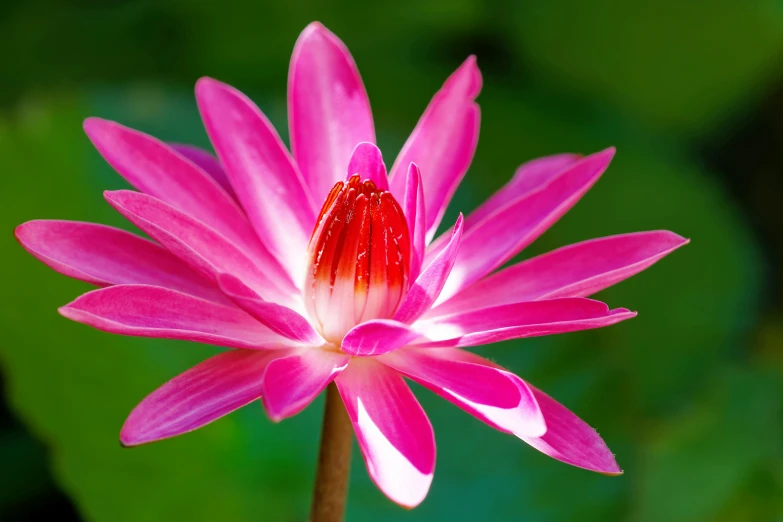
column 689, row 395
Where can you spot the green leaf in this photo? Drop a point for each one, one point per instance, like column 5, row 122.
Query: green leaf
column 673, row 64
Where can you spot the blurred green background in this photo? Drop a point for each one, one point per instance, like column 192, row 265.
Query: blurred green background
column 689, row 395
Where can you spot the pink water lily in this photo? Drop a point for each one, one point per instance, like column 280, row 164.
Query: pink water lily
column 316, row 266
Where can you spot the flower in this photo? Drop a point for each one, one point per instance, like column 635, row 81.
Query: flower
column 360, row 293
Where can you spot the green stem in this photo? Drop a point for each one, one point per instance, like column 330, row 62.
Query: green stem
column 334, row 461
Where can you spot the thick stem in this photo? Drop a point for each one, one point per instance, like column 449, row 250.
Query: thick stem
column 334, row 461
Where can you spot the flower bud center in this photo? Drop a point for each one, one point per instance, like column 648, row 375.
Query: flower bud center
column 359, row 258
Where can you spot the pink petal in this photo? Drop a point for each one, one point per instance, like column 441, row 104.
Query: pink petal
column 570, row 439
column 393, row 431
column 499, row 398
column 265, row 179
column 277, row 318
column 528, row 177
column 502, row 234
column 292, row 382
column 158, row 170
column 427, row 287
column 328, row 109
column 367, row 161
column 151, row 311
column 198, row 396
column 104, row 256
column 567, row 438
column 443, row 142
column 413, row 208
column 208, row 163
column 201, row 247
column 377, row 336
column 576, row 270
column 512, row 321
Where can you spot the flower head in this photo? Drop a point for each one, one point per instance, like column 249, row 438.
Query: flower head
column 361, row 292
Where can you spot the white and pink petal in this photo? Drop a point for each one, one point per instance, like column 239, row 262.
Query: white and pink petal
column 202, row 394
column 293, row 381
column 104, row 256
column 262, row 172
column 517, row 320
column 151, row 311
column 497, row 397
column 577, row 270
column 443, row 143
column 328, row 108
column 393, row 432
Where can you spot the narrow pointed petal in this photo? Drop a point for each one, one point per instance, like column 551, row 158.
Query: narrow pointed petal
column 532, row 319
column 292, row 382
column 443, row 142
column 328, row 108
column 577, row 270
column 367, row 161
column 158, row 170
column 208, row 163
column 377, row 336
column 263, row 175
column 571, row 440
column 413, row 205
column 530, row 176
column 204, row 393
column 499, row 398
column 204, row 249
column 567, row 438
column 151, row 311
column 505, row 232
column 277, row 318
column 428, row 285
column 104, row 256
column 393, row 431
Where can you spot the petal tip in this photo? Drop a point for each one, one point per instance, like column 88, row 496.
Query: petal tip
column 205, row 86
column 93, row 124
column 129, row 439
column 68, row 311
column 20, row 231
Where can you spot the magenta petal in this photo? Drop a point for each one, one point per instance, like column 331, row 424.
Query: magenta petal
column 427, row 287
column 151, row 311
column 367, row 161
column 201, row 247
column 265, row 179
column 292, row 382
column 570, row 439
column 512, row 321
column 377, row 336
column 393, row 431
column 198, row 396
column 502, row 234
column 528, row 177
column 158, row 170
column 328, row 109
column 576, row 270
column 443, row 142
column 208, row 163
column 567, row 438
column 277, row 318
column 104, row 256
column 413, row 208
column 499, row 398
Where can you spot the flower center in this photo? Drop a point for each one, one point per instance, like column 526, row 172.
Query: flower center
column 359, row 258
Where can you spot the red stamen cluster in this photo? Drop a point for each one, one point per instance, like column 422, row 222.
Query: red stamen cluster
column 359, row 257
